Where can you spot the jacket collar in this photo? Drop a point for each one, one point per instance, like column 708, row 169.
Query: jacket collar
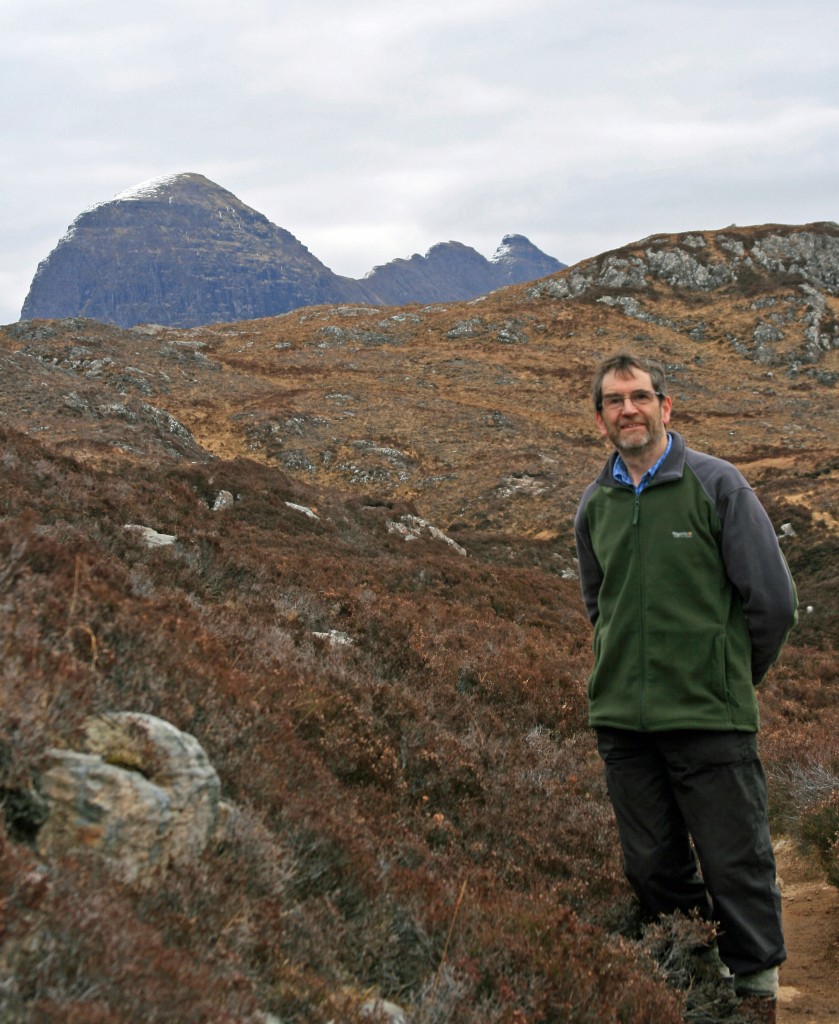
column 671, row 469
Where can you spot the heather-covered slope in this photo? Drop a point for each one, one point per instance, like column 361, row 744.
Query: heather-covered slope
column 421, row 809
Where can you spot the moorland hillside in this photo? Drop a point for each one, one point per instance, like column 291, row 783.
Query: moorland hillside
column 367, row 614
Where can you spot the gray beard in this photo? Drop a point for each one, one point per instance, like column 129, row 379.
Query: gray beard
column 638, row 447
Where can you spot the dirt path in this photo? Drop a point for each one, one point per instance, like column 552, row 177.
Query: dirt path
column 810, row 977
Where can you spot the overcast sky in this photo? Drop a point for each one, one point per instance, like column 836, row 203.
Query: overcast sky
column 373, row 129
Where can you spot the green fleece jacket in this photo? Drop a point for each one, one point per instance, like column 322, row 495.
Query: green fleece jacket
column 689, row 593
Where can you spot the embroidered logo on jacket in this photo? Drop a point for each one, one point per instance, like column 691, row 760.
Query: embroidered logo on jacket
column 683, row 534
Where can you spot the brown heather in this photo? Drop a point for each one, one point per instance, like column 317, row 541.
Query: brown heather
column 421, row 814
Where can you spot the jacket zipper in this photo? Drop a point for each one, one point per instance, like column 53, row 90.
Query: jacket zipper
column 636, row 515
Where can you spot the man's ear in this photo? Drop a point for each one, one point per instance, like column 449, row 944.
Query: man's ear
column 601, row 424
column 666, row 408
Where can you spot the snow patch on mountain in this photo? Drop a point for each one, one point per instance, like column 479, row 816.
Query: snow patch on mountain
column 146, row 189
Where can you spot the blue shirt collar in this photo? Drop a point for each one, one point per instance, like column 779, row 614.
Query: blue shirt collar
column 621, row 474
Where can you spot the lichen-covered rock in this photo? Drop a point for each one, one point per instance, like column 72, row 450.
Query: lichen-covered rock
column 809, row 254
column 151, row 538
column 412, row 527
column 140, row 792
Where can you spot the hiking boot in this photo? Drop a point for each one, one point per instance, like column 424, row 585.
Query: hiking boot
column 758, row 1009
column 709, row 957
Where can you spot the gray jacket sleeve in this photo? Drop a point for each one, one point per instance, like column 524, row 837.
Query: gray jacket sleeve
column 590, row 572
column 756, row 566
column 753, row 560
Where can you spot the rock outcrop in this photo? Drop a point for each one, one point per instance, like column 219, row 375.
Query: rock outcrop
column 786, row 278
column 140, row 793
column 704, row 261
column 181, row 251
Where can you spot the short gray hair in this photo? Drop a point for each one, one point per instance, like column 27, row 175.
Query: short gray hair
column 623, row 364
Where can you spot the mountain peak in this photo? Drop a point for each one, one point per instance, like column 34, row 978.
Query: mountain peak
column 512, row 245
column 152, row 188
column 180, row 250
column 185, row 186
column 515, row 252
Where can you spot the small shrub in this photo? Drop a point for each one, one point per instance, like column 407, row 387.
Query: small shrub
column 818, row 827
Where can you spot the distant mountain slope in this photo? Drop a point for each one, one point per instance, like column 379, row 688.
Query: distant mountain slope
column 181, row 251
column 452, row 267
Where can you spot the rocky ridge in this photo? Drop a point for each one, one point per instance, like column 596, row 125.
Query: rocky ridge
column 362, row 398
column 181, row 251
column 750, row 263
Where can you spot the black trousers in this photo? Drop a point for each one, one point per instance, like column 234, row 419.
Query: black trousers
column 670, row 787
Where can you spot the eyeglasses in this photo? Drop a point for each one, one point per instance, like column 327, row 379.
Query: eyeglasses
column 640, row 399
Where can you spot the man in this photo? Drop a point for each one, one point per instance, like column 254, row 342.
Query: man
column 691, row 601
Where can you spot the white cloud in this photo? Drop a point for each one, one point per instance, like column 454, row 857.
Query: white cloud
column 373, row 130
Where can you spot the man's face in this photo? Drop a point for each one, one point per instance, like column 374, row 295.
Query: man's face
column 633, row 426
